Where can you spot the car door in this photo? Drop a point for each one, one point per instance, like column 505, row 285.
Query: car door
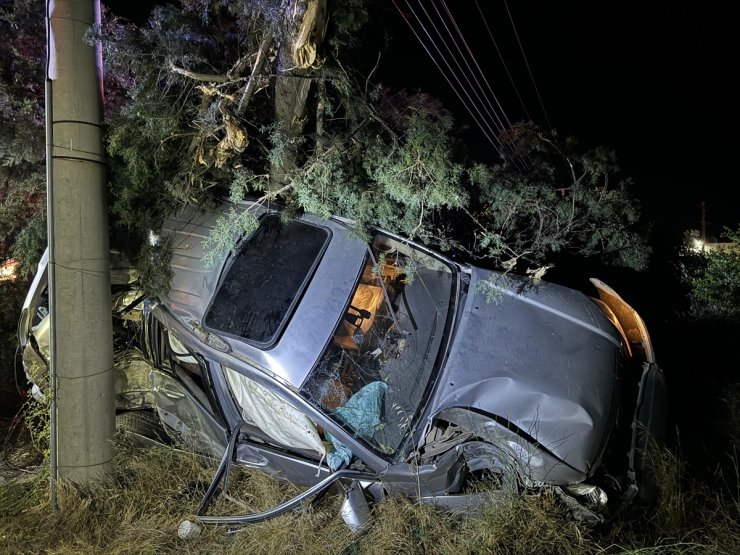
column 277, row 435
column 181, row 385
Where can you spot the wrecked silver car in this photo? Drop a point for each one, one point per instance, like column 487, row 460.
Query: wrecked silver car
column 385, row 368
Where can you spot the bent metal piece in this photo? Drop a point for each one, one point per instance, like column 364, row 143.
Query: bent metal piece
column 288, row 505
column 221, row 472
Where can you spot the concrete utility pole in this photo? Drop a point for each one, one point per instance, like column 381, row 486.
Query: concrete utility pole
column 79, row 267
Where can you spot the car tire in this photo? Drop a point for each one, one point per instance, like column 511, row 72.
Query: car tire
column 487, row 462
column 143, row 426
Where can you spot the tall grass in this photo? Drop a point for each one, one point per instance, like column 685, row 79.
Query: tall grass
column 153, row 490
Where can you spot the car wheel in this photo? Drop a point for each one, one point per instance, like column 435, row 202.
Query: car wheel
column 143, row 426
column 490, row 468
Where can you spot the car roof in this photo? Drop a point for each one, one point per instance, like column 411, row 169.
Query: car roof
column 263, row 282
column 310, row 326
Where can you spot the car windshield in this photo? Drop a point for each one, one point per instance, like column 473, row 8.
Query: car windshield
column 373, row 374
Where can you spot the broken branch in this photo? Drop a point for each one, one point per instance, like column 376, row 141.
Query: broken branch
column 256, row 70
column 199, row 76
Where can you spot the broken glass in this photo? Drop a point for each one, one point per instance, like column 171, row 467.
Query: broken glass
column 385, row 347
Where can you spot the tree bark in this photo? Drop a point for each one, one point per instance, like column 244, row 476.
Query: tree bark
column 259, row 61
column 303, row 29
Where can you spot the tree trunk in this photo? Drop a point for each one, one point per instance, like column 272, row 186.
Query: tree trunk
column 303, row 29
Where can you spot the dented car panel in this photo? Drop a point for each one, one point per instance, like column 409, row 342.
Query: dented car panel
column 403, row 377
column 545, row 361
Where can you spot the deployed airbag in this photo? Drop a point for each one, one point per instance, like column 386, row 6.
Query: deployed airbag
column 274, row 415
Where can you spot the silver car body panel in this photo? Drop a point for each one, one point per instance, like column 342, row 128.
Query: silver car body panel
column 310, row 326
column 544, row 359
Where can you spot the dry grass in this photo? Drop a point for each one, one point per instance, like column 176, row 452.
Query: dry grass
column 140, row 509
column 692, row 515
column 154, row 490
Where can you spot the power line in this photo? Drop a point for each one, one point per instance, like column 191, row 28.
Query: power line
column 529, row 160
column 531, row 76
column 493, row 140
column 492, row 120
column 470, row 70
column 503, row 62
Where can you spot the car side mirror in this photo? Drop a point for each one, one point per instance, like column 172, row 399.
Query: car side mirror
column 355, row 510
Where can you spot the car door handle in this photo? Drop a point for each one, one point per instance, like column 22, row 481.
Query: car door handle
column 252, row 460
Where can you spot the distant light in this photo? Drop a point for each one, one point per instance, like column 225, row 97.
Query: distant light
column 698, row 245
column 154, row 239
column 9, row 270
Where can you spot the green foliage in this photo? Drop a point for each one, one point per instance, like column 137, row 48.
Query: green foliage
column 160, row 139
column 30, row 243
column 348, row 18
column 493, row 287
column 37, row 417
column 12, row 294
column 228, row 229
column 155, row 272
column 376, row 176
column 417, row 173
column 381, row 159
column 236, row 222
column 713, row 277
column 22, row 153
column 22, row 170
column 553, row 198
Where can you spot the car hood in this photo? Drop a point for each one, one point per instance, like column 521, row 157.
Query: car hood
column 542, row 358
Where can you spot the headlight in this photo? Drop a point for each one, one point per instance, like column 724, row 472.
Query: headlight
column 592, row 497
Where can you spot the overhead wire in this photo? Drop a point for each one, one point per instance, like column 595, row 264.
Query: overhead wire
column 526, row 62
column 477, row 89
column 451, row 17
column 505, row 150
column 503, row 62
column 492, row 139
column 492, row 120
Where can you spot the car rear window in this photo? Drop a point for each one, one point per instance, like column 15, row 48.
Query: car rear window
column 266, row 279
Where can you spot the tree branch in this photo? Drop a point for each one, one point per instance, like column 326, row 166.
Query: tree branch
column 199, row 76
column 256, row 70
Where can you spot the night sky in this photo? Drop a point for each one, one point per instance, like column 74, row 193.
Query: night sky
column 655, row 80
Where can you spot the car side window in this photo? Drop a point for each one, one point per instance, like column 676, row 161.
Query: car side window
column 187, row 367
